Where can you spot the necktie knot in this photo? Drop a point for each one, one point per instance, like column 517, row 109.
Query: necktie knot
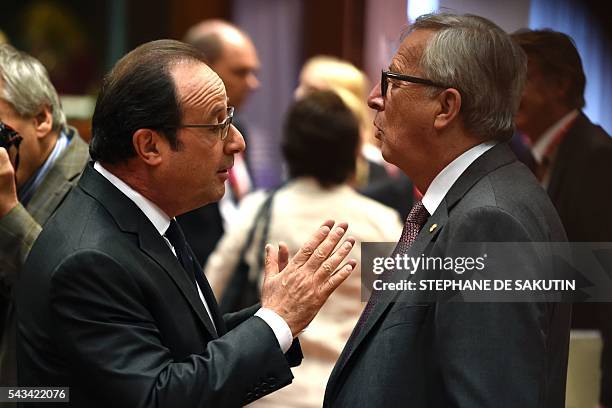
column 175, row 235
column 414, row 222
column 418, row 215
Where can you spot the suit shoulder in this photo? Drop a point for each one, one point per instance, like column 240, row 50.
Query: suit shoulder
column 508, row 204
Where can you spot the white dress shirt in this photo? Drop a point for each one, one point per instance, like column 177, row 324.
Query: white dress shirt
column 161, row 222
column 541, row 146
column 446, row 178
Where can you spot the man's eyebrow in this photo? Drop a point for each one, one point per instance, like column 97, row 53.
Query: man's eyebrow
column 215, row 111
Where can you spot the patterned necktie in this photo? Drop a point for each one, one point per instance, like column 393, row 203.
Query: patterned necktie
column 414, row 222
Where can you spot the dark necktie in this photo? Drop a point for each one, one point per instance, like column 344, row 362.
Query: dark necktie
column 175, row 235
column 414, row 222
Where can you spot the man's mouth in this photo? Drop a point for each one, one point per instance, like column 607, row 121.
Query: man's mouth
column 225, row 169
column 378, row 132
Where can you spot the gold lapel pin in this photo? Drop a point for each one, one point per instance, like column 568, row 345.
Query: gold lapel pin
column 433, row 227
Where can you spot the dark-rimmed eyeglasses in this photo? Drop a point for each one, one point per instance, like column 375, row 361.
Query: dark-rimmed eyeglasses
column 222, row 128
column 385, row 75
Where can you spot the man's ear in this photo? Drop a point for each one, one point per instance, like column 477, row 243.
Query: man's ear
column 43, row 122
column 450, row 105
column 149, row 146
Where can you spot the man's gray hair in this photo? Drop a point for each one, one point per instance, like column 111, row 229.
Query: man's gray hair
column 26, row 85
column 475, row 56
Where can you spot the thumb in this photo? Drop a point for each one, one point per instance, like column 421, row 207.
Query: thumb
column 271, row 262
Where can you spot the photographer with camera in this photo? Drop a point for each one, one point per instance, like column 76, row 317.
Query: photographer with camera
column 41, row 159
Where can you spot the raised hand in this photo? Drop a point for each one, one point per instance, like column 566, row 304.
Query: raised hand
column 8, row 190
column 297, row 291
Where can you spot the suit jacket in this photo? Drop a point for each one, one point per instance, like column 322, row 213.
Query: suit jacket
column 18, row 231
column 105, row 308
column 446, row 354
column 583, row 160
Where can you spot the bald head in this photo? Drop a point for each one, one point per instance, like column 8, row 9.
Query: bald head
column 230, row 53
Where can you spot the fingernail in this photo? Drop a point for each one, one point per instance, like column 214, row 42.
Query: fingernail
column 339, row 231
column 325, row 229
column 349, row 267
column 348, row 245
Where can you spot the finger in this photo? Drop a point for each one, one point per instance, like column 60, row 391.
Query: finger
column 271, row 262
column 337, row 278
column 322, row 252
column 5, row 159
column 343, row 225
column 351, row 262
column 330, row 265
column 7, row 172
column 350, row 239
column 283, row 255
column 309, row 247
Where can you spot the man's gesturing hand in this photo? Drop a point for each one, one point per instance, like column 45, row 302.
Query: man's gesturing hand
column 297, row 291
column 8, row 190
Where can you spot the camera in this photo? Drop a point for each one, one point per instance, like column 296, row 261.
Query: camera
column 8, row 136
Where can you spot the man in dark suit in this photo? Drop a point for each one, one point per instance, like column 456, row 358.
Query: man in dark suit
column 51, row 158
column 444, row 116
column 112, row 302
column 573, row 156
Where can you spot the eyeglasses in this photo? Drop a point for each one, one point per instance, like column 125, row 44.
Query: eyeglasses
column 222, row 128
column 385, row 75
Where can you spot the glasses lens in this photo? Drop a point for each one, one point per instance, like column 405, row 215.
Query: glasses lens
column 225, row 131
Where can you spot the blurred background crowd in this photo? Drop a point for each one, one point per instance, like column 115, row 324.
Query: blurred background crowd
column 298, row 74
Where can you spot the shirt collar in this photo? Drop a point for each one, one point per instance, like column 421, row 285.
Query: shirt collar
column 27, row 191
column 155, row 214
column 442, row 183
column 541, row 146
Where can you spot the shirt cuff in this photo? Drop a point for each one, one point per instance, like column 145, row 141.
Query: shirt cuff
column 279, row 327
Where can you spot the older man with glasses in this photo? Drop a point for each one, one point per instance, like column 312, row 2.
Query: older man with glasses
column 112, row 302
column 445, row 110
column 41, row 158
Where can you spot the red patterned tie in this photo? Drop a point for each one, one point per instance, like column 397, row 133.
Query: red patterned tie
column 414, row 222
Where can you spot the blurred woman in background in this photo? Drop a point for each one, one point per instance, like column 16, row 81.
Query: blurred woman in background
column 374, row 177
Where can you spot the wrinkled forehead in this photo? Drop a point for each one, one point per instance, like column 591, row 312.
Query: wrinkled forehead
column 408, row 55
column 198, row 85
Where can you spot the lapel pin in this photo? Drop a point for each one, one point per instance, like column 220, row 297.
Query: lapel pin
column 433, row 227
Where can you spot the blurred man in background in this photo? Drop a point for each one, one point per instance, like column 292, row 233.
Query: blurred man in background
column 35, row 175
column 573, row 156
column 231, row 54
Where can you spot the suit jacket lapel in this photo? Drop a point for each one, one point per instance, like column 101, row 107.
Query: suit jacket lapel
column 210, row 298
column 60, row 179
column 419, row 246
column 130, row 219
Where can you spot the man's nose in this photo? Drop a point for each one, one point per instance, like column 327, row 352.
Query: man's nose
column 375, row 99
column 235, row 142
column 253, row 82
